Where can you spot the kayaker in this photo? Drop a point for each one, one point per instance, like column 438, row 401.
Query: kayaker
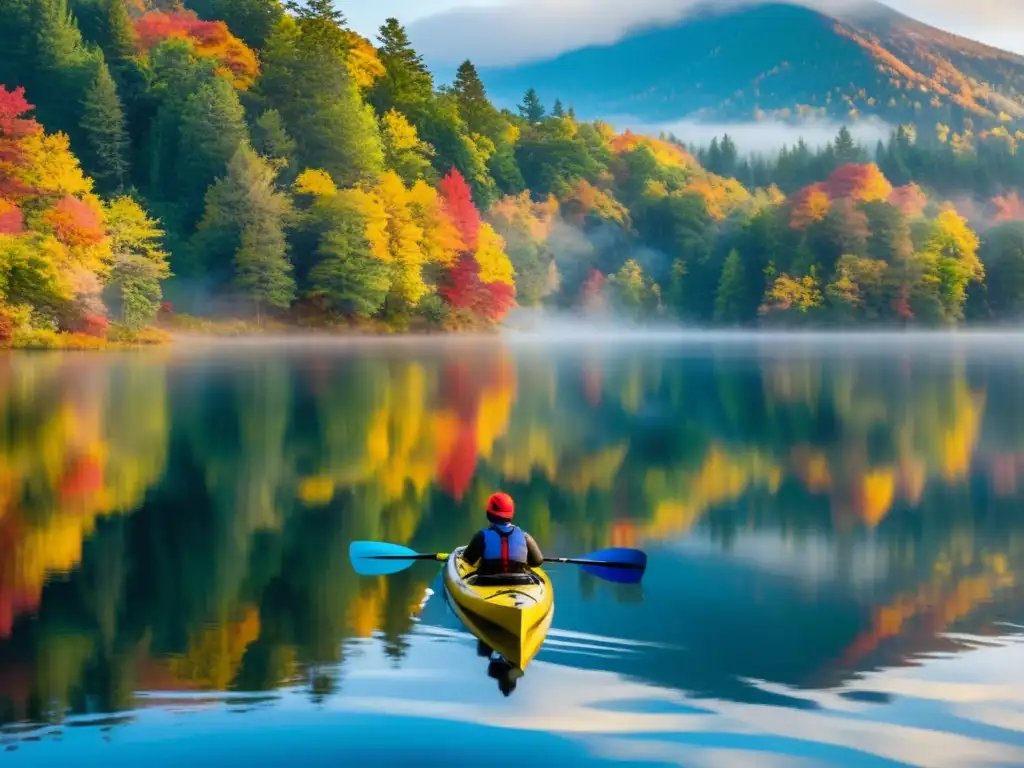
column 502, row 547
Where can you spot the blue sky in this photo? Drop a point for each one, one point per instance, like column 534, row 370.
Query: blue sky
column 455, row 29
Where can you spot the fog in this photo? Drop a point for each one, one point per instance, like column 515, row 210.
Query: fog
column 765, row 136
column 555, row 327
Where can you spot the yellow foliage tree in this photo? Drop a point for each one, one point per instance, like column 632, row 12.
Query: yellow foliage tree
column 315, row 182
column 495, row 266
column 363, row 63
column 404, row 237
column 442, row 242
column 786, row 293
column 404, row 152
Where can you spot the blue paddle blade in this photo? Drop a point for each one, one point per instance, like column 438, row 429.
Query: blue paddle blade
column 364, row 554
column 634, row 560
column 633, row 557
column 616, row 575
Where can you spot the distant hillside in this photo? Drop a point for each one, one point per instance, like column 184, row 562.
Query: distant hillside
column 779, row 60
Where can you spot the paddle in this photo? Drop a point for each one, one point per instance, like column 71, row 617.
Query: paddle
column 379, row 558
column 618, row 564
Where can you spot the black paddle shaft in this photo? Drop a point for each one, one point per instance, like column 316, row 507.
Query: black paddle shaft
column 600, row 563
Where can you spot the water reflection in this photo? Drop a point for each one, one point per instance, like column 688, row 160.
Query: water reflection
column 180, row 524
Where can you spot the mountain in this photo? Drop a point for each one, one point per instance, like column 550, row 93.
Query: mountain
column 776, row 60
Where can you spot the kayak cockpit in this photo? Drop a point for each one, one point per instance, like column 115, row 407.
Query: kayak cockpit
column 501, row 579
column 468, row 573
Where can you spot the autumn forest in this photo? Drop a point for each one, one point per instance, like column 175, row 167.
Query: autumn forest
column 236, row 160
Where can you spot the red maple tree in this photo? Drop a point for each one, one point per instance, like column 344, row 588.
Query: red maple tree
column 458, row 201
column 498, row 300
column 462, row 288
column 13, row 128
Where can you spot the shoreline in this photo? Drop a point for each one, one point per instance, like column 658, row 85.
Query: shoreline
column 557, row 332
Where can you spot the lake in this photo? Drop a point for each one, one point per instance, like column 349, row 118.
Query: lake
column 835, row 531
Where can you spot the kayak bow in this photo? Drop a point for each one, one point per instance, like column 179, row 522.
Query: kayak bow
column 512, row 618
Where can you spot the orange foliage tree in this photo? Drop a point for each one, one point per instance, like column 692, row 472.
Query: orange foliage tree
column 862, row 182
column 76, row 223
column 809, row 205
column 210, row 38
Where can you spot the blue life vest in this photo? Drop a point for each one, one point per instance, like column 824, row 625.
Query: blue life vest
column 505, row 544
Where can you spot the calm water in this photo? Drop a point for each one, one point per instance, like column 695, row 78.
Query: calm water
column 835, row 532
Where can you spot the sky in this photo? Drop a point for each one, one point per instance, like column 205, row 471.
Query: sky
column 496, row 32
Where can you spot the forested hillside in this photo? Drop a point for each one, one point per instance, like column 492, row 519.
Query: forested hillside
column 286, row 170
column 782, row 59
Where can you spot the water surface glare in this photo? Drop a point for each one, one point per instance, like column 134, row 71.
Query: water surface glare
column 834, row 524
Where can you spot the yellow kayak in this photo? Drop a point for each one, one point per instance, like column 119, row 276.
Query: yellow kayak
column 512, row 618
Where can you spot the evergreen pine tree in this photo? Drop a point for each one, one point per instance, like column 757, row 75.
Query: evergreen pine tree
column 244, row 202
column 407, row 84
column 272, row 141
column 558, row 110
column 306, row 80
column 104, row 132
column 531, row 108
column 212, row 130
column 474, row 106
column 729, row 297
column 730, row 156
column 119, row 43
column 347, row 279
column 845, row 148
column 262, row 271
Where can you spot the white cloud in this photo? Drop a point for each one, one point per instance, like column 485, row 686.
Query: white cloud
column 515, row 31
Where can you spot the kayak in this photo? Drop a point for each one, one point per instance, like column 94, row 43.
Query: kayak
column 512, row 617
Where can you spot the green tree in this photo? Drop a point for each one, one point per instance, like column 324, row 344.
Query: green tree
column 729, row 306
column 675, row 296
column 632, row 291
column 106, row 141
column 531, row 109
column 244, row 200
column 475, row 108
column 845, row 148
column 347, row 278
column 140, row 263
column 262, row 271
column 558, row 110
column 407, row 84
column 42, row 50
column 306, row 80
column 1003, row 256
column 271, row 140
column 250, row 20
column 212, row 130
